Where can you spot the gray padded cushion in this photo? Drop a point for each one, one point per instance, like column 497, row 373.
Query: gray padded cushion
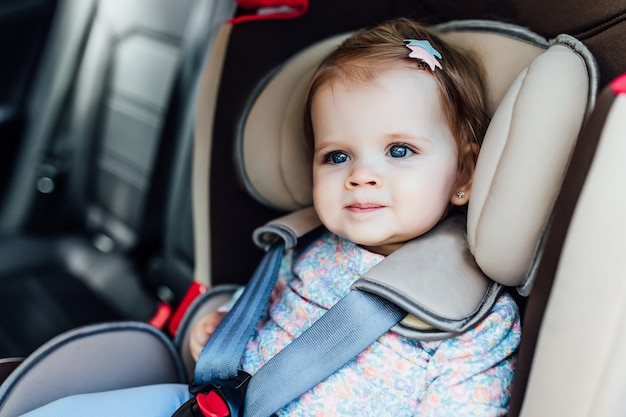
column 435, row 279
column 99, row 351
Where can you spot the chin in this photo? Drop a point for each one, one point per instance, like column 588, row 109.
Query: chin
column 372, row 242
column 368, row 238
column 364, row 240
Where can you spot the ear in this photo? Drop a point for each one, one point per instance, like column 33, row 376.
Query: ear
column 467, row 165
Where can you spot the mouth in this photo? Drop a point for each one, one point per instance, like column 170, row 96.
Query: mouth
column 363, row 207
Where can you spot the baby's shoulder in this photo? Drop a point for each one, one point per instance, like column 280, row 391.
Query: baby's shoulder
column 505, row 307
column 498, row 334
column 502, row 322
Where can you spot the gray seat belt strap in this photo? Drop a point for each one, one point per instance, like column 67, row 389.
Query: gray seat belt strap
column 343, row 332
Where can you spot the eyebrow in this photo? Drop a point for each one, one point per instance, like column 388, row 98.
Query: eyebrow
column 404, row 135
column 397, row 136
column 325, row 147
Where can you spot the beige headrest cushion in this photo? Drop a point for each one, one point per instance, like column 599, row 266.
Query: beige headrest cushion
column 276, row 164
column 540, row 94
column 523, row 161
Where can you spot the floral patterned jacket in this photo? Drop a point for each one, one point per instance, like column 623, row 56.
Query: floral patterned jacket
column 469, row 375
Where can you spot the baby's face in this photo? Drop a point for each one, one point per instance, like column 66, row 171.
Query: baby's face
column 385, row 160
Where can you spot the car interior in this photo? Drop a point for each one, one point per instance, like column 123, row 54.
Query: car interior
column 143, row 142
column 81, row 250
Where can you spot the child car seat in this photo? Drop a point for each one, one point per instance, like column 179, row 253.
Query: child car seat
column 540, row 95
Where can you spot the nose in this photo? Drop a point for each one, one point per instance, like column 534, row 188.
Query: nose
column 363, row 176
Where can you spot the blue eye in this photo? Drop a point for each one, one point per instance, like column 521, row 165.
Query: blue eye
column 400, row 151
column 337, row 157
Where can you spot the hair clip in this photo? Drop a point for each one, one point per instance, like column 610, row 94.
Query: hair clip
column 423, row 50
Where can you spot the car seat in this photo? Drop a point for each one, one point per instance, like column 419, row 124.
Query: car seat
column 540, row 95
column 245, row 70
column 580, row 282
column 108, row 144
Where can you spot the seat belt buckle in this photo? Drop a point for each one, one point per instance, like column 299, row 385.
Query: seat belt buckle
column 217, row 398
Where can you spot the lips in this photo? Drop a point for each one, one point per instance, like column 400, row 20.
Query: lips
column 363, row 207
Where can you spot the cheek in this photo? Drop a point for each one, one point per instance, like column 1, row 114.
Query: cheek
column 324, row 179
column 319, row 194
column 432, row 187
column 445, row 187
column 326, row 196
column 322, row 201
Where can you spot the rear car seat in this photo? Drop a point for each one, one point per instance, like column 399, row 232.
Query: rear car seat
column 572, row 359
column 108, row 144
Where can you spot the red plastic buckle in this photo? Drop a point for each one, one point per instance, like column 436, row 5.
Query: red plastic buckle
column 212, row 405
column 161, row 316
column 223, row 398
column 194, row 290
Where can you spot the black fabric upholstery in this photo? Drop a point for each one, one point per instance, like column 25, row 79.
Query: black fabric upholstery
column 40, row 303
column 49, row 285
column 118, row 225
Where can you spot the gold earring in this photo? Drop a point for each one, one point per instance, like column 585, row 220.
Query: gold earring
column 461, row 194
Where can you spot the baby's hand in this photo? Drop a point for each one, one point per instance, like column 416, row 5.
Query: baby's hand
column 202, row 330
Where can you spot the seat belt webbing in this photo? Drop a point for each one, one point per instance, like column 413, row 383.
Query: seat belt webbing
column 337, row 337
column 220, row 357
column 343, row 332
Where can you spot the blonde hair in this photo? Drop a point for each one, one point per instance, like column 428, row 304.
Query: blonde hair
column 371, row 51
